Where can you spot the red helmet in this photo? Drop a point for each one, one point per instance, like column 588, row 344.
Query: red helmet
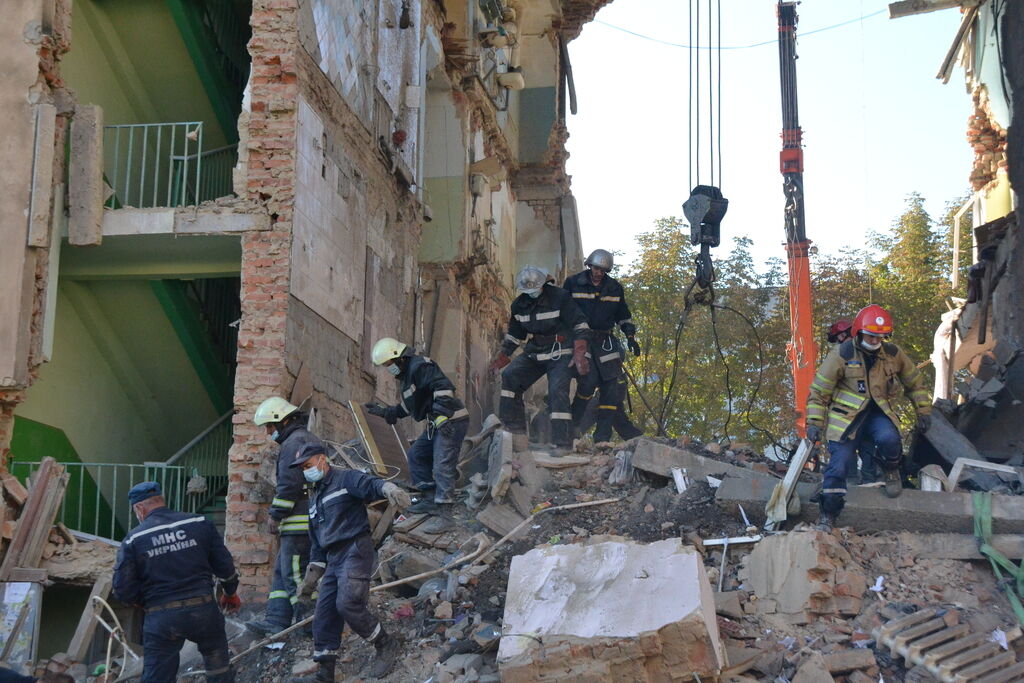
column 873, row 319
column 839, row 327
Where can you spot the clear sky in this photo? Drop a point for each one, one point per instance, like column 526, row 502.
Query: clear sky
column 877, row 123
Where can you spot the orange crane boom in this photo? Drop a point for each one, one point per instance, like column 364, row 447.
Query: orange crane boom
column 802, row 348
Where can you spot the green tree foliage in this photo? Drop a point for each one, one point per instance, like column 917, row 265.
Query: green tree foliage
column 683, row 383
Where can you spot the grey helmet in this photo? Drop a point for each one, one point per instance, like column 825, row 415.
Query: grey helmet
column 531, row 279
column 600, row 258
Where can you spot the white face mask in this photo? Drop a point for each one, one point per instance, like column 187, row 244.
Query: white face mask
column 273, row 437
column 394, row 369
column 313, row 474
column 870, row 347
column 534, row 295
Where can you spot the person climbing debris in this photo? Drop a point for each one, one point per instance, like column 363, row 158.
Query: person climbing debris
column 545, row 318
column 427, row 394
column 853, row 396
column 342, row 559
column 288, row 515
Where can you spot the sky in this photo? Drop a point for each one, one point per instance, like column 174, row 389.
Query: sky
column 877, row 123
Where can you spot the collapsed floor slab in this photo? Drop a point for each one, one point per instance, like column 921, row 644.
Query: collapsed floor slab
column 609, row 611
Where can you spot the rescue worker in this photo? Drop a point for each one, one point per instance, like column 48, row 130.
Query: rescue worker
column 167, row 565
column 289, row 514
column 839, row 331
column 837, row 334
column 427, row 394
column 342, row 559
column 853, row 396
column 550, row 318
column 603, row 302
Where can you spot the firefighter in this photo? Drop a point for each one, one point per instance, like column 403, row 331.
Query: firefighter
column 342, row 559
column 289, row 514
column 840, row 331
column 837, row 334
column 853, row 396
column 549, row 316
column 167, row 565
column 427, row 394
column 603, row 302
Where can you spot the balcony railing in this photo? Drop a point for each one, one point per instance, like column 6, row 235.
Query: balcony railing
column 164, row 164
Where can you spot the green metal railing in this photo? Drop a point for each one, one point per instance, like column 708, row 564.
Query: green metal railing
column 164, row 164
column 206, row 456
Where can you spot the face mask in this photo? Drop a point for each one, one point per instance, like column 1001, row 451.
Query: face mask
column 534, row 295
column 273, row 437
column 313, row 474
column 871, row 347
column 394, row 369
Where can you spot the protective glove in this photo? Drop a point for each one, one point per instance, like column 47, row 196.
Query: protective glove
column 230, row 604
column 397, row 496
column 375, row 409
column 633, row 345
column 500, row 361
column 391, row 415
column 813, row 433
column 314, row 572
column 924, row 422
column 579, row 356
column 272, row 526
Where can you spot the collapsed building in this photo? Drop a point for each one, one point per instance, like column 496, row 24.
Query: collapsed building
column 222, row 201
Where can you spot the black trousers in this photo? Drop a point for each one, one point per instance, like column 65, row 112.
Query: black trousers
column 521, row 374
column 164, row 632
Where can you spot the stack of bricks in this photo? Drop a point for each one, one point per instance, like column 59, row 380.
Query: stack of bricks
column 269, row 159
column 987, row 139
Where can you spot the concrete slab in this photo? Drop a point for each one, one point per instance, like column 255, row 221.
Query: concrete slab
column 867, row 509
column 658, row 458
column 609, row 611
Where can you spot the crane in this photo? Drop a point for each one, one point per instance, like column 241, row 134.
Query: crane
column 802, row 348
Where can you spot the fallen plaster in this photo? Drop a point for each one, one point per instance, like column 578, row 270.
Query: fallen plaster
column 609, row 611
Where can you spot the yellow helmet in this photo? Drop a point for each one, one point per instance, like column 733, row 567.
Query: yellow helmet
column 274, row 409
column 387, row 349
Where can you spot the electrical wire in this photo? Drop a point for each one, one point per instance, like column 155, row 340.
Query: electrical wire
column 773, row 41
column 359, row 456
column 725, row 364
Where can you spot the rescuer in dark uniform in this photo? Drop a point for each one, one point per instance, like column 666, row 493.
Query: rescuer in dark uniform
column 289, row 514
column 167, row 565
column 343, row 555
column 427, row 394
column 550, row 318
column 603, row 302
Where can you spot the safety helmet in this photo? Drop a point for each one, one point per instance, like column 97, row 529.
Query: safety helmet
column 531, row 279
column 840, row 326
column 387, row 349
column 600, row 258
column 274, row 409
column 873, row 319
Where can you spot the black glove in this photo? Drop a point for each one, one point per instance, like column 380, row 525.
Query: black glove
column 391, row 415
column 374, row 409
column 924, row 422
column 814, row 433
column 633, row 345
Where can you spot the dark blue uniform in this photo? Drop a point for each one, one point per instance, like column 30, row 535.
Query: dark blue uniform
column 552, row 322
column 605, row 308
column 340, row 533
column 427, row 393
column 167, row 565
column 291, row 510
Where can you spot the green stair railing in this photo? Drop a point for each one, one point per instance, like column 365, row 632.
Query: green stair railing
column 206, row 456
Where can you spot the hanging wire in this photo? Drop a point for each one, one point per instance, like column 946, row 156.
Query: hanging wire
column 718, row 55
column 695, row 79
column 689, row 113
column 711, row 100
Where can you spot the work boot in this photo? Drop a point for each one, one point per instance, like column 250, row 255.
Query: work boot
column 893, row 483
column 825, row 522
column 324, row 673
column 387, row 652
column 264, row 627
column 423, row 506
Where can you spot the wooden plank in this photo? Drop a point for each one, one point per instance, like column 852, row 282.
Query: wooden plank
column 80, row 642
column 546, row 460
column 410, row 522
column 906, row 8
column 384, row 523
column 382, row 442
column 28, row 537
column 29, row 575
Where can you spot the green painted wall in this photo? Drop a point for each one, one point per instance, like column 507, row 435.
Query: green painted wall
column 443, row 235
column 536, row 117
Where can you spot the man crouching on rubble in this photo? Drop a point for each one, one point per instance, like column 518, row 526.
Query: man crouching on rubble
column 342, row 553
column 852, row 398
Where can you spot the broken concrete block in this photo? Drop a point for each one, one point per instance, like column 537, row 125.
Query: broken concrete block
column 805, row 572
column 499, row 464
column 499, row 518
column 85, row 177
column 609, row 611
column 551, row 462
column 849, row 660
column 658, row 458
column 727, row 603
column 813, row 670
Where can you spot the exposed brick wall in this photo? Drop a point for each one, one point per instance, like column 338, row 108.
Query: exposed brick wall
column 987, row 139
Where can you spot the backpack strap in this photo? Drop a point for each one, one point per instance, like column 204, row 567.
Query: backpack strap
column 846, row 349
column 890, row 348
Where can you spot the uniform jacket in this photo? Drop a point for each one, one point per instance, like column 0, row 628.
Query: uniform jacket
column 337, row 509
column 604, row 306
column 171, row 556
column 843, row 389
column 290, row 507
column 427, row 392
column 553, row 319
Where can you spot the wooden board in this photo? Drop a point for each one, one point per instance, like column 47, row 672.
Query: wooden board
column 499, row 518
column 44, row 498
column 383, row 445
column 384, row 523
column 80, row 642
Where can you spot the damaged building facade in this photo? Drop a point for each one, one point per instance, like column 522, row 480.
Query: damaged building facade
column 205, row 201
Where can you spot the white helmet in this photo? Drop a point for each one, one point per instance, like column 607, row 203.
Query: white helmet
column 600, row 258
column 274, row 409
column 531, row 279
column 387, row 349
